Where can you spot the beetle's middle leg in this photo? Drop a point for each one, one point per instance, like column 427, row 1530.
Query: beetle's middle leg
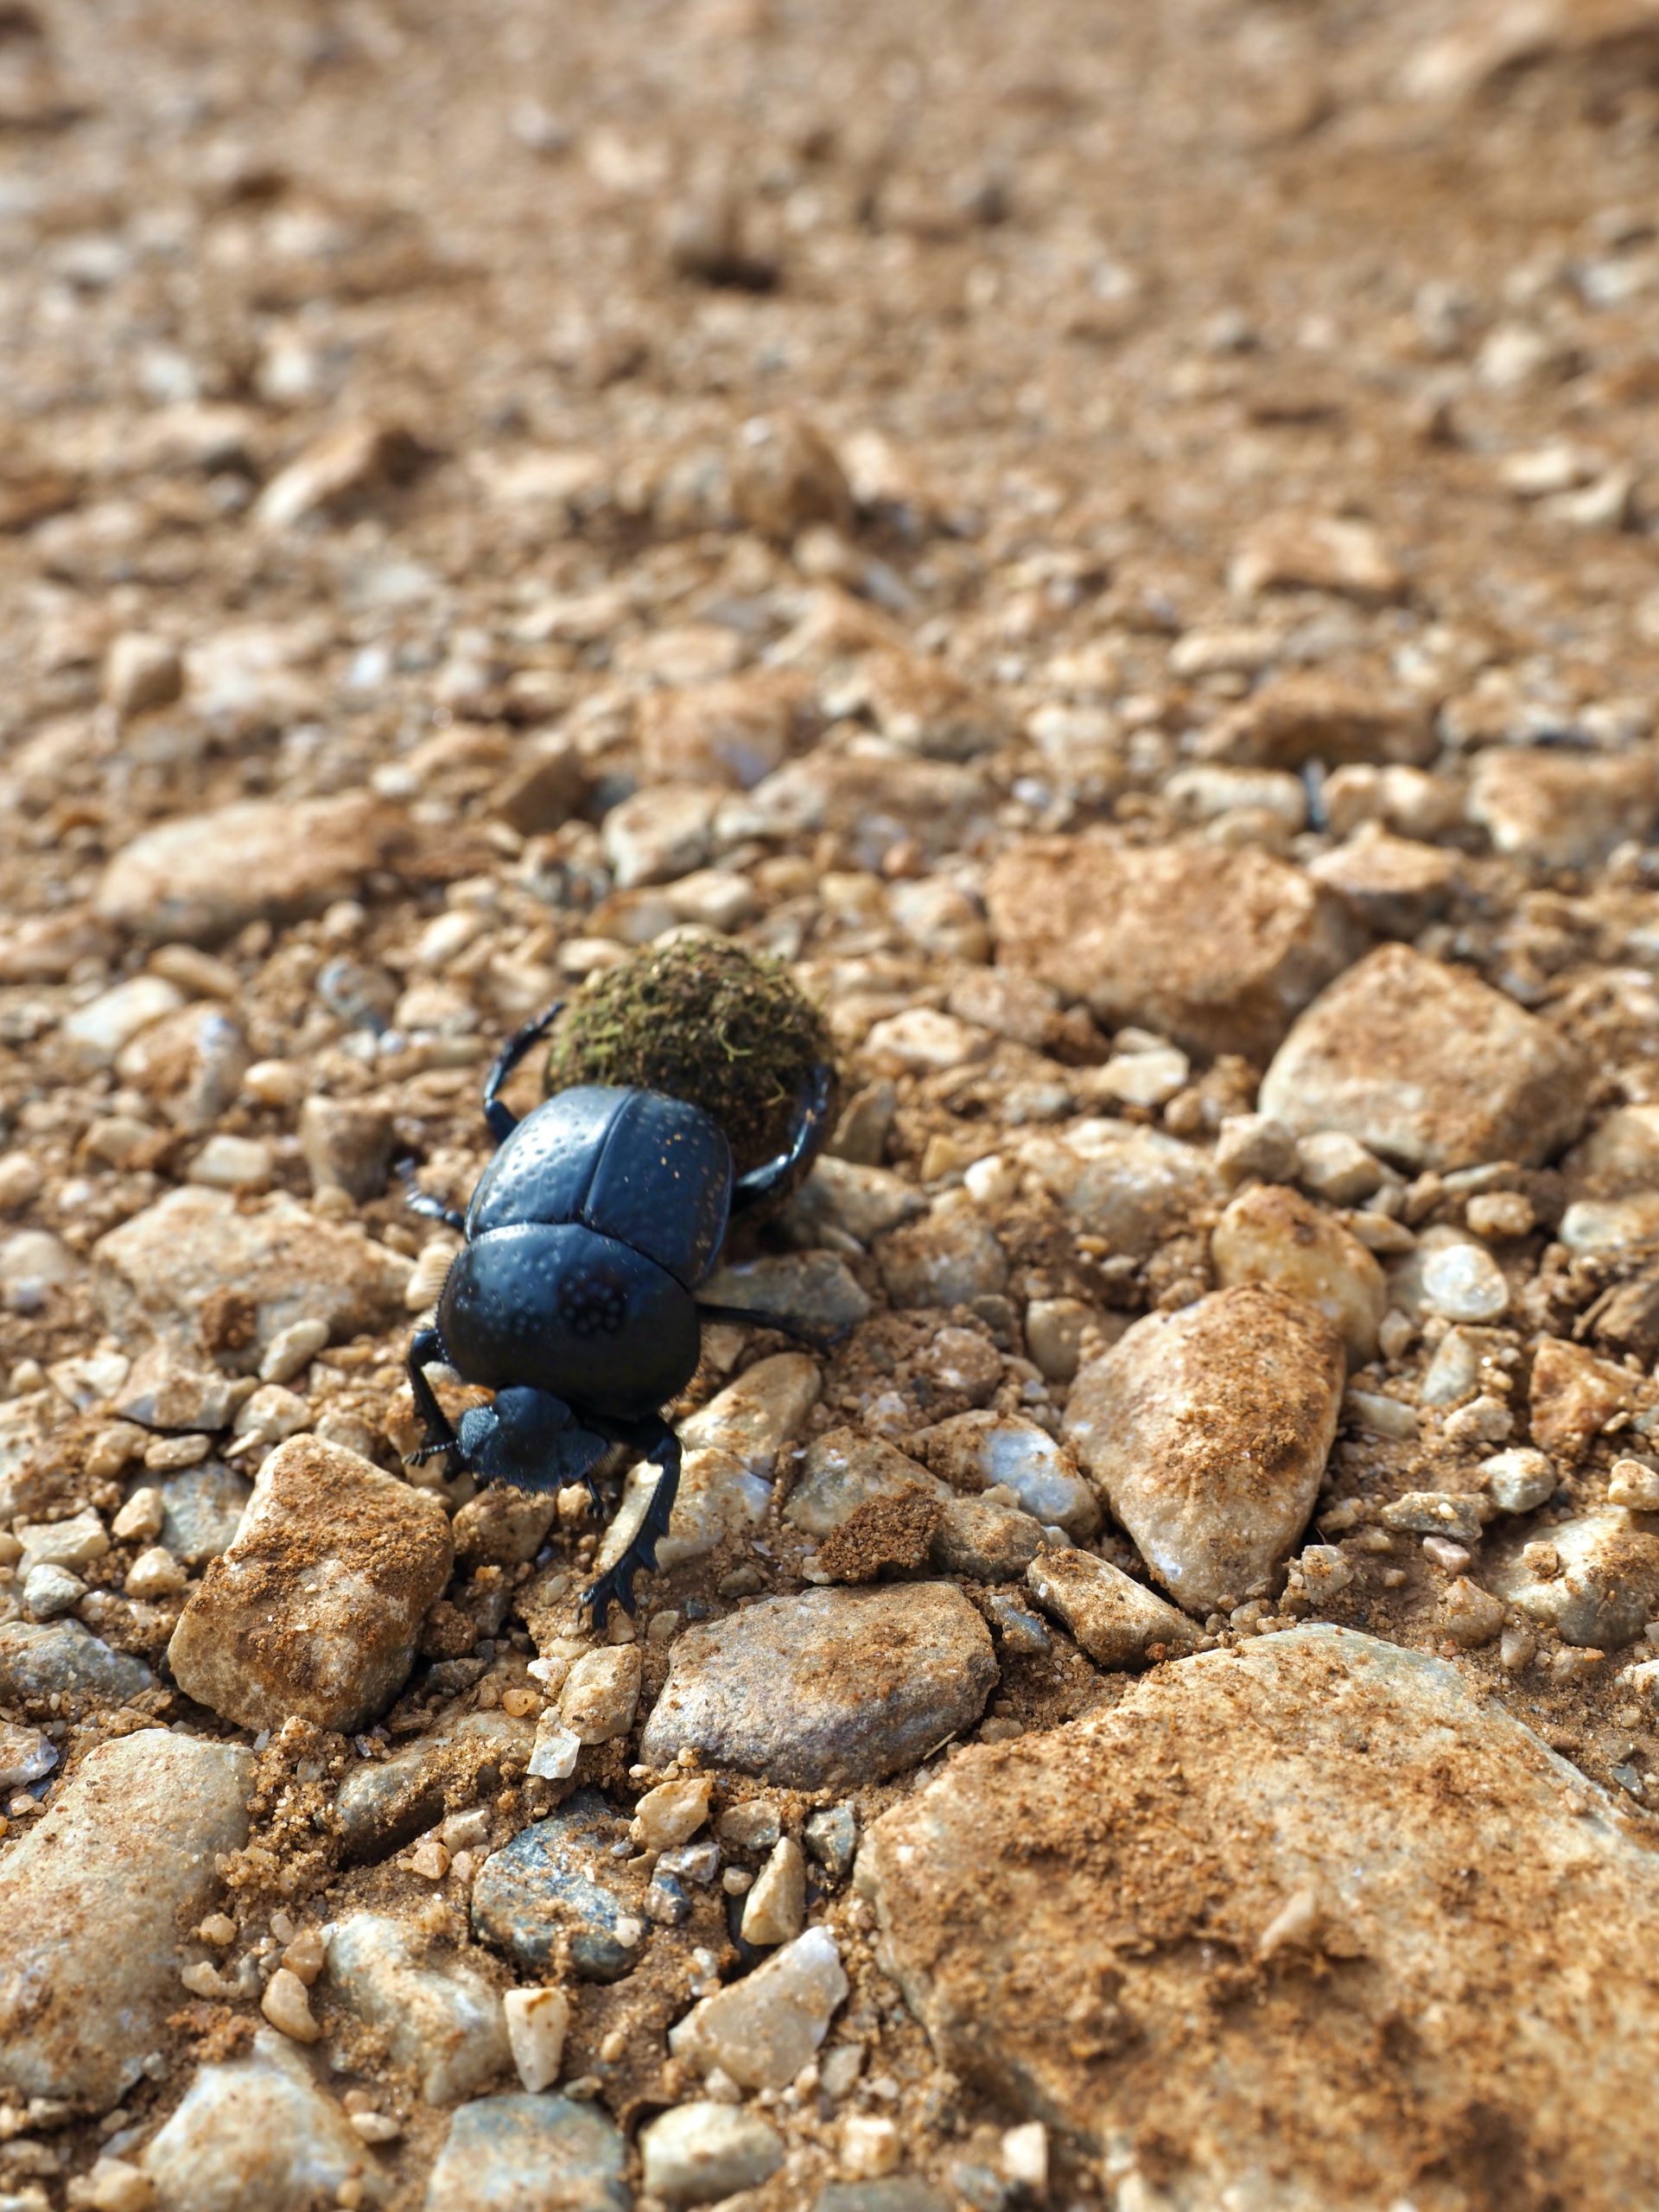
column 425, row 1346
column 499, row 1116
column 417, row 1200
column 658, row 1443
column 754, row 1318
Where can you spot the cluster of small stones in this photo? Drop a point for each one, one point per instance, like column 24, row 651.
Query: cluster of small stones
column 1165, row 1712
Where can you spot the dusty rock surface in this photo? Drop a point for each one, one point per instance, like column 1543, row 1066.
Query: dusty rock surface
column 1336, row 1794
column 1116, row 544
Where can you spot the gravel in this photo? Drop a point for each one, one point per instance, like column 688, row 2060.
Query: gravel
column 531, row 2154
column 554, row 1894
column 762, row 2030
column 440, row 2018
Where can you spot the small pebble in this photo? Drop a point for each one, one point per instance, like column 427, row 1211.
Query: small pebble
column 537, row 2020
column 287, row 2005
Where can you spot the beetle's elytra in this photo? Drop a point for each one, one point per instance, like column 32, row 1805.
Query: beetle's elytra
column 574, row 1298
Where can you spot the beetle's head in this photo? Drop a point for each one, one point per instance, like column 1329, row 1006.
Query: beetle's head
column 529, row 1439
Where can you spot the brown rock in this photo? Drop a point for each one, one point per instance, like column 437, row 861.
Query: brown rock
column 785, row 475
column 1290, row 1818
column 316, row 1607
column 1307, row 716
column 201, row 876
column 1563, row 809
column 1427, row 1065
column 732, row 732
column 1272, row 1234
column 1574, row 1396
column 1206, row 1433
column 1313, row 552
column 1217, row 949
column 1117, row 1621
column 1394, row 886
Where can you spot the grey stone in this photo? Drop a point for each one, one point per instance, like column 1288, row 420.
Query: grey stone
column 762, row 2029
column 719, row 1499
column 695, row 2153
column 987, row 1451
column 440, row 2018
column 385, row 1803
column 1335, row 1796
column 1604, row 1589
column 1132, row 1186
column 163, row 1392
column 39, row 1660
column 864, row 1201
column 950, row 1257
column 154, row 1273
column 256, row 2134
column 25, row 1754
column 898, row 2193
column 843, row 1471
column 202, row 1510
column 1207, row 1431
column 826, row 1690
column 528, row 2154
column 756, row 1416
column 992, row 1542
column 546, row 1895
column 831, row 1836
column 94, row 1901
column 814, row 1288
column 1520, row 1481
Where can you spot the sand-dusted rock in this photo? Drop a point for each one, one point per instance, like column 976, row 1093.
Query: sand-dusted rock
column 1218, row 950
column 95, row 1899
column 1574, row 1396
column 1563, row 809
column 733, row 731
column 528, row 2154
column 439, row 2016
column 201, row 876
column 1396, row 885
column 1117, row 1621
column 1269, row 1233
column 316, row 1607
column 762, row 2029
column 1343, row 1811
column 1298, row 550
column 158, row 1272
column 556, row 1893
column 1206, row 1432
column 40, row 1661
column 698, row 2152
column 1133, row 1186
column 1593, row 1579
column 843, row 1471
column 982, row 1450
column 1427, row 1066
column 385, row 1802
column 1307, row 714
column 256, row 2133
column 875, row 800
column 828, row 1689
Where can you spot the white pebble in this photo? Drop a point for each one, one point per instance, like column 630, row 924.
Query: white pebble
column 1464, row 1283
column 287, row 2005
column 536, row 2022
column 291, row 1349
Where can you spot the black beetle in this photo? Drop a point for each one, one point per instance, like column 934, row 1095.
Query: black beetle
column 574, row 1298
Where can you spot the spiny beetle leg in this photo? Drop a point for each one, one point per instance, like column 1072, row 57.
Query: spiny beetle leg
column 616, row 1585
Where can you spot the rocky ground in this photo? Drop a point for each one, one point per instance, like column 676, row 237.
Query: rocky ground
column 1118, row 541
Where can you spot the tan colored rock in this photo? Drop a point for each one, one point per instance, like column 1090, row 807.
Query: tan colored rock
column 1293, row 551
column 1269, row 1233
column 316, row 1608
column 343, row 468
column 1427, row 1066
column 734, row 731
column 200, row 877
column 1309, row 716
column 1061, row 1911
column 1574, row 1396
column 94, row 1900
column 1395, row 885
column 1134, row 1186
column 1619, row 1158
column 875, row 800
column 1117, row 1621
column 785, row 475
column 1563, row 809
column 1594, row 1579
column 161, row 1272
column 1206, row 1433
column 1218, row 950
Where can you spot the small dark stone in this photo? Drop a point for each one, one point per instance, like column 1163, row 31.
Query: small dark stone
column 41, row 1659
column 831, row 1836
column 202, row 1509
column 902, row 2193
column 543, row 1893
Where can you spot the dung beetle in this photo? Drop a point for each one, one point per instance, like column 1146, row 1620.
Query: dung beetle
column 574, row 1298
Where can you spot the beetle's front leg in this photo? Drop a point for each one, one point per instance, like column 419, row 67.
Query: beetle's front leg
column 426, row 1346
column 658, row 1441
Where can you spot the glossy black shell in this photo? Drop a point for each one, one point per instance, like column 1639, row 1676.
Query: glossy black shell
column 553, row 1306
column 653, row 1172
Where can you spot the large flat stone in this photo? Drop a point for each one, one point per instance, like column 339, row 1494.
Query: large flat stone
column 827, row 1689
column 316, row 1608
column 1428, row 1066
column 1218, row 950
column 1456, row 2009
column 95, row 1901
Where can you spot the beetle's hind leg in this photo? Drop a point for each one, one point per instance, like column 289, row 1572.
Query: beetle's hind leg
column 499, row 1116
column 417, row 1200
column 659, row 1442
column 805, row 1139
column 426, row 1345
column 752, row 1317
